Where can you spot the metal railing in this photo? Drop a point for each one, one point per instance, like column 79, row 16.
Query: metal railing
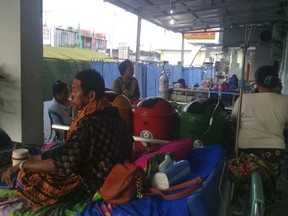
column 257, row 203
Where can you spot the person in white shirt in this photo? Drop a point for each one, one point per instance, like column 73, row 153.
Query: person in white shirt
column 60, row 103
column 264, row 116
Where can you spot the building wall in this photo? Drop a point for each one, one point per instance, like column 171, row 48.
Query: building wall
column 10, row 69
column 174, row 56
column 69, row 38
column 21, row 95
column 235, row 37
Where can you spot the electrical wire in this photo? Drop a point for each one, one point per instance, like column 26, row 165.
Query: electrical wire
column 212, row 116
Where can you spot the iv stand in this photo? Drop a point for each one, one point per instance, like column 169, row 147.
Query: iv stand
column 244, row 47
column 242, row 83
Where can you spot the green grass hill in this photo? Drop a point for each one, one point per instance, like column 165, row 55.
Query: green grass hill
column 66, row 53
column 62, row 63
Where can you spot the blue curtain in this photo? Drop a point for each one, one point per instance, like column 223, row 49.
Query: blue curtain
column 98, row 66
column 148, row 75
column 193, row 75
column 141, row 77
column 176, row 74
column 110, row 73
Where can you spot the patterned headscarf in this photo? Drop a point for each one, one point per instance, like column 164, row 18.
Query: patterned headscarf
column 91, row 107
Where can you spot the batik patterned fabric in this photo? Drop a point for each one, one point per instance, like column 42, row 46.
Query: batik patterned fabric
column 13, row 205
column 91, row 107
column 101, row 140
column 42, row 189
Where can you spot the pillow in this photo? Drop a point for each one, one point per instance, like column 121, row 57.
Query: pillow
column 180, row 148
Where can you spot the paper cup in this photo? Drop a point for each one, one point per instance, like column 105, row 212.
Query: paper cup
column 19, row 155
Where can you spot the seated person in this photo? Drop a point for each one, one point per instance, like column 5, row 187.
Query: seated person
column 180, row 84
column 263, row 118
column 60, row 103
column 98, row 139
column 126, row 84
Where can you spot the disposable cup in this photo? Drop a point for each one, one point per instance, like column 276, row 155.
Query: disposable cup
column 19, row 155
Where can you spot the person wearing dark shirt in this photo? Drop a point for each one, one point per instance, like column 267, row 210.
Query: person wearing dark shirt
column 126, row 84
column 98, row 138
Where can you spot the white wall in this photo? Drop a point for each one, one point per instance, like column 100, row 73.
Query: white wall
column 284, row 68
column 10, row 69
column 173, row 56
column 21, row 94
column 236, row 37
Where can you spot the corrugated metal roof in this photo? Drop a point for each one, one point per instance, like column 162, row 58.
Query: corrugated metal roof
column 190, row 15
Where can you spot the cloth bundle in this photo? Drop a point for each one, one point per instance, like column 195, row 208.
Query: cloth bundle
column 170, row 173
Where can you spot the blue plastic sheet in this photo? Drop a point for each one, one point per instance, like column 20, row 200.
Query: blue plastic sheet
column 205, row 163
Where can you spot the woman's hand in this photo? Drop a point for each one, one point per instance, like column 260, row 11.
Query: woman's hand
column 6, row 176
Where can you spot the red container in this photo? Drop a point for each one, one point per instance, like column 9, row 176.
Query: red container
column 155, row 118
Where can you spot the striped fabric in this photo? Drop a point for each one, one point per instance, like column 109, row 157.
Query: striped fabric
column 42, row 189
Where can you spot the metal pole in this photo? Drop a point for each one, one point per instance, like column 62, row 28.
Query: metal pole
column 138, row 42
column 242, row 84
column 182, row 56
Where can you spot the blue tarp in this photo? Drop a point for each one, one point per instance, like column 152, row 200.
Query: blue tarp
column 205, row 163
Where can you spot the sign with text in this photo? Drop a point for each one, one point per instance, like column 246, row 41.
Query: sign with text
column 46, row 35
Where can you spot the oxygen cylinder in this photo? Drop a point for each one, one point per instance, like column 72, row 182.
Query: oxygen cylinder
column 164, row 86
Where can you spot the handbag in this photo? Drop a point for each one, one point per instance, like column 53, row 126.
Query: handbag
column 123, row 183
column 126, row 181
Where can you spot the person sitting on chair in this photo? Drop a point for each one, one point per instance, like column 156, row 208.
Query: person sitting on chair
column 59, row 106
column 97, row 139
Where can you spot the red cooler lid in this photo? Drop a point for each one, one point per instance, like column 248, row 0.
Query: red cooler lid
column 154, row 106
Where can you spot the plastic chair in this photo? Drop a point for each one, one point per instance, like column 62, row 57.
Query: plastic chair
column 55, row 118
